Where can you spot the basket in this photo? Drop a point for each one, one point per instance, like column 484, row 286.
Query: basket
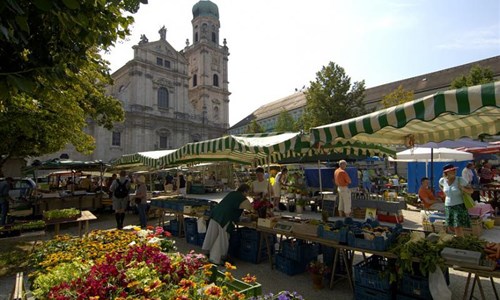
column 428, row 226
column 248, row 289
column 363, row 293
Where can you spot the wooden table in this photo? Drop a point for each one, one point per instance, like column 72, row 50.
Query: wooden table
column 477, row 274
column 83, row 220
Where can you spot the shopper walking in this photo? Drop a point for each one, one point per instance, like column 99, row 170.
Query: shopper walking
column 121, row 190
column 141, row 200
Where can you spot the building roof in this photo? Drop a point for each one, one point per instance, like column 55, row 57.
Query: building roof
column 421, row 86
column 205, row 8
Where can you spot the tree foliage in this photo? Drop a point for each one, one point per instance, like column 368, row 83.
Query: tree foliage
column 254, row 127
column 332, row 98
column 398, row 96
column 52, row 78
column 285, row 122
column 477, row 75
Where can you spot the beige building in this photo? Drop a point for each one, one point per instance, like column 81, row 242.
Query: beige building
column 170, row 97
column 422, row 85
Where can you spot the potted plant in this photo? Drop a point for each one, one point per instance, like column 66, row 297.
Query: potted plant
column 317, row 270
column 300, row 205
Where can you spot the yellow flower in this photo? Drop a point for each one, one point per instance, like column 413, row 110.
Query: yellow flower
column 213, row 291
column 249, row 279
column 228, row 276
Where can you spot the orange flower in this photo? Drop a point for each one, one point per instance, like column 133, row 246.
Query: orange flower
column 182, row 297
column 213, row 291
column 186, row 284
column 229, row 266
column 249, row 279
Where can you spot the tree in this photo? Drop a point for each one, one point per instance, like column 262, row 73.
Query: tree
column 285, row 122
column 332, row 98
column 52, row 78
column 254, row 127
column 477, row 75
column 398, row 96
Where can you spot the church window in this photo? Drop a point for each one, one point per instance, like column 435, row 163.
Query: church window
column 163, row 142
column 167, row 64
column 196, row 37
column 159, row 61
column 195, row 80
column 116, row 138
column 162, row 97
column 216, row 80
column 214, row 37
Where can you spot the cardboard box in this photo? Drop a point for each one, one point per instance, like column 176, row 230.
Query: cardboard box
column 267, row 222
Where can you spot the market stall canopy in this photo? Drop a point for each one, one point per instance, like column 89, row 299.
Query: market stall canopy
column 146, row 159
column 432, row 154
column 245, row 149
column 449, row 115
column 66, row 164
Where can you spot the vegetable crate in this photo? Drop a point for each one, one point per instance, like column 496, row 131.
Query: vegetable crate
column 336, row 234
column 378, row 243
column 248, row 289
column 288, row 266
column 373, row 273
column 416, row 286
column 299, row 250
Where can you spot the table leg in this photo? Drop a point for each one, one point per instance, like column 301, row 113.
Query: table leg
column 467, row 286
column 494, row 287
column 57, row 226
column 480, row 287
column 348, row 264
column 80, row 229
column 334, row 267
column 269, row 253
column 87, row 227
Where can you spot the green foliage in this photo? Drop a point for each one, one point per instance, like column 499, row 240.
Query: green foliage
column 285, row 122
column 254, row 127
column 398, row 96
column 477, row 75
column 332, row 98
column 52, row 78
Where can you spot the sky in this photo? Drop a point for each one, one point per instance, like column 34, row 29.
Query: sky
column 278, row 46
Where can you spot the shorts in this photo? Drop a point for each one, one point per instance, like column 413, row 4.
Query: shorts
column 457, row 216
column 120, row 203
column 344, row 199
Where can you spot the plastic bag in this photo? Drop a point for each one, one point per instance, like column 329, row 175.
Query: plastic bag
column 468, row 201
column 437, row 285
column 202, row 225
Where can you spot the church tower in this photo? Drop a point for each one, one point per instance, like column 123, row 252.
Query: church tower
column 208, row 74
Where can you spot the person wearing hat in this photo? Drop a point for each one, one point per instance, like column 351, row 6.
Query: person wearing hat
column 260, row 188
column 222, row 219
column 141, row 200
column 453, row 187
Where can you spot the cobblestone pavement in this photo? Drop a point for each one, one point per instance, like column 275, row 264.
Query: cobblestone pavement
column 271, row 279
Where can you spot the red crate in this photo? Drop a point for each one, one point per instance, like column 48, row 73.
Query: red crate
column 390, row 218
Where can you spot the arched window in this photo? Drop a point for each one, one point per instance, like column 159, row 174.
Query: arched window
column 196, row 37
column 162, row 98
column 216, row 80
column 195, row 80
column 214, row 37
column 163, row 141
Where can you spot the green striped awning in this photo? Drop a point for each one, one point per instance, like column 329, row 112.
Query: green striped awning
column 147, row 158
column 449, row 115
column 249, row 149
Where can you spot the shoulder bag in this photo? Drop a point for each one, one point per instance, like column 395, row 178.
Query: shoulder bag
column 467, row 198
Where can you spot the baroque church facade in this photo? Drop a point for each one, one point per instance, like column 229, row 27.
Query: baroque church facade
column 170, row 97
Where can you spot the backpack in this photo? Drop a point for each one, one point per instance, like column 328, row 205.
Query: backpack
column 121, row 190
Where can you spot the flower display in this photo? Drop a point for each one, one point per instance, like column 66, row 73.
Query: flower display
column 120, row 264
column 316, row 267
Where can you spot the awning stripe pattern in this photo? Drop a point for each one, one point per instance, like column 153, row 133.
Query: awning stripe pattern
column 449, row 115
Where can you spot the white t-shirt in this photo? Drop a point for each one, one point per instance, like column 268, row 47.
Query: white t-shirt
column 260, row 187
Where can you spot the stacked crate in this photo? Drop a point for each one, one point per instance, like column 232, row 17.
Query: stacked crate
column 192, row 235
column 249, row 246
column 416, row 286
column 372, row 279
column 295, row 255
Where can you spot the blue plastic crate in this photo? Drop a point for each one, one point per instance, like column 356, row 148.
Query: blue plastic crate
column 192, row 238
column 339, row 235
column 191, row 226
column 379, row 243
column 417, row 285
column 249, row 234
column 288, row 266
column 364, row 293
column 373, row 273
column 201, row 239
column 299, row 250
column 249, row 251
column 174, row 225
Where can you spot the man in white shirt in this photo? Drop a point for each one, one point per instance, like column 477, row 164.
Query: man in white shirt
column 468, row 172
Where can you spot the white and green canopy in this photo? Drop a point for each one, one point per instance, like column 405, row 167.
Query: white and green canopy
column 149, row 159
column 245, row 149
column 449, row 115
